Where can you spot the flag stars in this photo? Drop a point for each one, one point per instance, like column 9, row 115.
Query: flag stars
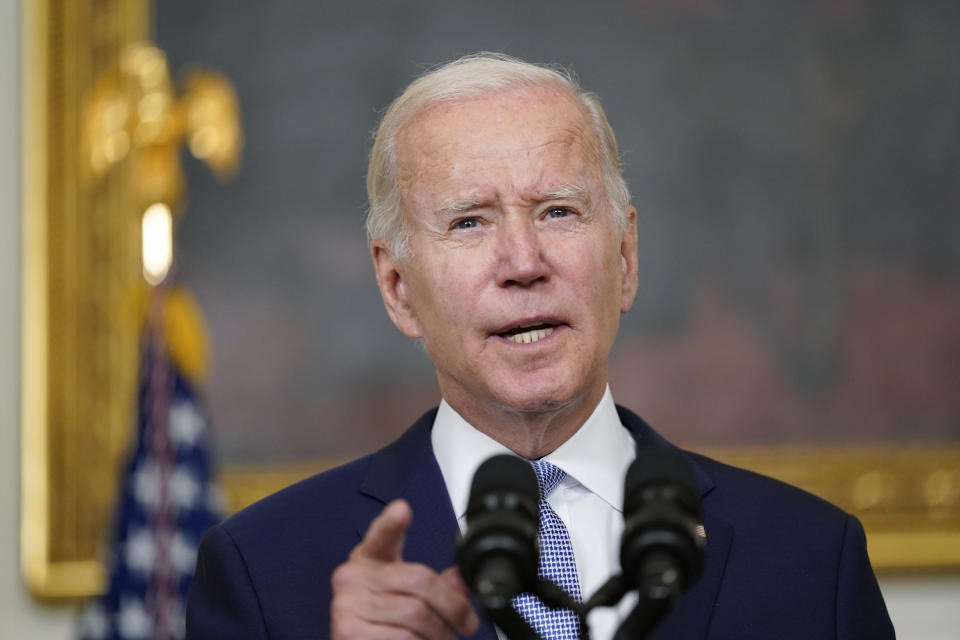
column 94, row 623
column 186, row 424
column 183, row 554
column 165, row 506
column 141, row 551
column 183, row 488
column 134, row 621
column 146, row 484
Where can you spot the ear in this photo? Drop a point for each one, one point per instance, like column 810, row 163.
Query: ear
column 628, row 261
column 394, row 290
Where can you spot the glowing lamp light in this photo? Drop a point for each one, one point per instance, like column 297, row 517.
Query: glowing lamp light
column 157, row 242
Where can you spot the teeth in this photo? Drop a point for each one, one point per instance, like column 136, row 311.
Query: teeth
column 531, row 336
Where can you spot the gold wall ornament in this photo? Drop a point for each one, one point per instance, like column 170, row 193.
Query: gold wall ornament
column 102, row 128
column 134, row 113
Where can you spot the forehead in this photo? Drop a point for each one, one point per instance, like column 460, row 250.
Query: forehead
column 506, row 140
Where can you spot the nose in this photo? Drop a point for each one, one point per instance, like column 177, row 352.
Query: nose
column 520, row 260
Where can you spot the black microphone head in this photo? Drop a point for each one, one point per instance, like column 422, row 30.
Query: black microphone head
column 661, row 511
column 500, row 475
column 655, row 466
column 498, row 555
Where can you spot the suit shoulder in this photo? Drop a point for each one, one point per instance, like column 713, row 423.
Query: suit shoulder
column 294, row 507
column 799, row 561
column 733, row 491
column 336, row 502
column 762, row 498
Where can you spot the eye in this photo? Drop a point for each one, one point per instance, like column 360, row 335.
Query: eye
column 558, row 212
column 466, row 223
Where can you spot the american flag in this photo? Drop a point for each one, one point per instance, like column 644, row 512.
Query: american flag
column 165, row 503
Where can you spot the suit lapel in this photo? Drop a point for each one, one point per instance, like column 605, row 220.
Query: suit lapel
column 691, row 617
column 408, row 469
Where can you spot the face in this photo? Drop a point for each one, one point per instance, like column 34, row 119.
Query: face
column 517, row 272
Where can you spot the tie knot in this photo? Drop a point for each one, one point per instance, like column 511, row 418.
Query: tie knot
column 548, row 476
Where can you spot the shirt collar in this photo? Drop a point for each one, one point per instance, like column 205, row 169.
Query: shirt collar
column 596, row 456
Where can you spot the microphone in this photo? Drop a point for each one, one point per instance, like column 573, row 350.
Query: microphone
column 661, row 554
column 498, row 555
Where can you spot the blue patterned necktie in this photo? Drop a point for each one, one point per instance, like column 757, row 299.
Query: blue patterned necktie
column 556, row 563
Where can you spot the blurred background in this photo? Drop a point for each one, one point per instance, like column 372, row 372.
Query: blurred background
column 794, row 166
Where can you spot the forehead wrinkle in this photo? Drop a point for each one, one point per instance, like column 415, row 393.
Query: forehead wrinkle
column 576, row 139
column 574, row 135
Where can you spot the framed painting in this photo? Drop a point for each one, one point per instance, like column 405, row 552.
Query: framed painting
column 799, row 311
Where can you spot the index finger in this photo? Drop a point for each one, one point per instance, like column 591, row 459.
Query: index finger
column 384, row 538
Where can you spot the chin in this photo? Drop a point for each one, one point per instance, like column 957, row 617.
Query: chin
column 538, row 398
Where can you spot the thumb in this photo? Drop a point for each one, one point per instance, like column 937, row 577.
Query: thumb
column 383, row 541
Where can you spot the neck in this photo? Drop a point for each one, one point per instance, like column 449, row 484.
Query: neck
column 530, row 433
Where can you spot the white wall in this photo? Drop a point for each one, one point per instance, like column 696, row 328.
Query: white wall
column 922, row 609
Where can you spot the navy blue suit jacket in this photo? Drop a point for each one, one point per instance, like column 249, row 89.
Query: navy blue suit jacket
column 780, row 563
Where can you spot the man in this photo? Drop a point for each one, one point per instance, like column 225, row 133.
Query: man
column 502, row 237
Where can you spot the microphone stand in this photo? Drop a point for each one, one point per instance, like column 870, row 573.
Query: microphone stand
column 659, row 587
column 658, row 591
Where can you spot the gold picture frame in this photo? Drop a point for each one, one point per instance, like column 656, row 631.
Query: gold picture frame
column 80, row 332
column 81, row 269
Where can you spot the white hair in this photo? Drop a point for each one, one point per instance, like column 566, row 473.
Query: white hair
column 469, row 77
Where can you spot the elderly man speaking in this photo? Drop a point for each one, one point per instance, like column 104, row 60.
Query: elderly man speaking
column 502, row 237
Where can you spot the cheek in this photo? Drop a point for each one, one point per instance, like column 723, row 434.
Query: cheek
column 600, row 269
column 600, row 281
column 440, row 294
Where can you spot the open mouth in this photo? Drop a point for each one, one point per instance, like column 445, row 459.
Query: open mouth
column 528, row 333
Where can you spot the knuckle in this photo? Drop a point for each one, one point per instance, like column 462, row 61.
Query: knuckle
column 460, row 612
column 417, row 613
column 420, row 577
column 342, row 576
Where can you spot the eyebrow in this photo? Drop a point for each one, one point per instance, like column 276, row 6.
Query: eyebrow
column 563, row 192
column 454, row 206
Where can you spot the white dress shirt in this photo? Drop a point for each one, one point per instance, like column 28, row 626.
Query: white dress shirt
column 589, row 500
